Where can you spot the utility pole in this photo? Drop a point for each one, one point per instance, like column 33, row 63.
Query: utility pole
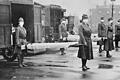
column 112, row 8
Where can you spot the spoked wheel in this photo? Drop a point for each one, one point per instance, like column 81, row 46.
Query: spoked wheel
column 9, row 54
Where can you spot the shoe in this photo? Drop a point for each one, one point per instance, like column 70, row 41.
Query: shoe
column 20, row 66
column 87, row 67
column 116, row 49
column 24, row 65
column 84, row 68
column 108, row 56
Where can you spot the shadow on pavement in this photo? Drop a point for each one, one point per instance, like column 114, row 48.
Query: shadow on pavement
column 105, row 66
column 87, row 75
column 5, row 64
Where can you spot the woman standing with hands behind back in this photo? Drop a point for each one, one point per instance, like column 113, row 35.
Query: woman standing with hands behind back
column 108, row 43
column 85, row 43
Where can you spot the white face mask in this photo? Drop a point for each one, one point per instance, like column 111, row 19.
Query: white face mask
column 118, row 22
column 21, row 24
column 85, row 20
column 111, row 21
column 63, row 22
column 102, row 20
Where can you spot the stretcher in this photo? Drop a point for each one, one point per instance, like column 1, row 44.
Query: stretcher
column 42, row 47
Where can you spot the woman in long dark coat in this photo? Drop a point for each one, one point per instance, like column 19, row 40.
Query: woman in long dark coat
column 108, row 43
column 117, row 34
column 85, row 43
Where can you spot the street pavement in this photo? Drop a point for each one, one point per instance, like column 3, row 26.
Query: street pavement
column 53, row 66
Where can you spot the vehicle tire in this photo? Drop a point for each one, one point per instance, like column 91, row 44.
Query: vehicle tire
column 9, row 54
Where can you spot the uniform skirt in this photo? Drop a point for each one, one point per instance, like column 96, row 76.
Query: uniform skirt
column 86, row 51
column 108, row 45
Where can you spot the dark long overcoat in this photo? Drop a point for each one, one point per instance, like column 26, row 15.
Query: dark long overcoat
column 117, row 32
column 108, row 43
column 85, row 51
column 101, row 32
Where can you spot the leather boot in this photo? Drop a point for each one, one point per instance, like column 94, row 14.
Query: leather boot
column 84, row 68
column 108, row 55
column 24, row 65
column 87, row 67
column 20, row 62
column 20, row 59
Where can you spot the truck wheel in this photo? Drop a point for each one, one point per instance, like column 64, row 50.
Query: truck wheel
column 9, row 54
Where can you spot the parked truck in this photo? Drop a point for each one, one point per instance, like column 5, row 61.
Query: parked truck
column 53, row 16
column 10, row 12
